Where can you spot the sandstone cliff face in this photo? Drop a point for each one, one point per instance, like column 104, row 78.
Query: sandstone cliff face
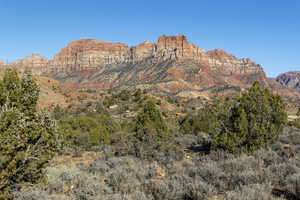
column 290, row 80
column 171, row 65
column 2, row 65
column 178, row 47
column 35, row 62
column 94, row 54
column 88, row 54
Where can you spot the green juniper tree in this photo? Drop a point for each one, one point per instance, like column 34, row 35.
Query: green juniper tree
column 251, row 121
column 150, row 116
column 265, row 114
column 27, row 136
column 150, row 130
column 87, row 129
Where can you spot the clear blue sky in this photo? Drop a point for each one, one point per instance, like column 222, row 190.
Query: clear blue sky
column 267, row 31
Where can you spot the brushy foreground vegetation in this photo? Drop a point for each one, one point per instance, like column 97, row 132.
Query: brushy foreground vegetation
column 235, row 148
column 175, row 174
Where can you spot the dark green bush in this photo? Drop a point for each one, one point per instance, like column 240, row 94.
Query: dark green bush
column 150, row 131
column 251, row 121
column 58, row 113
column 88, row 129
column 209, row 119
column 295, row 122
column 124, row 95
column 150, row 118
column 109, row 101
column 27, row 137
column 137, row 95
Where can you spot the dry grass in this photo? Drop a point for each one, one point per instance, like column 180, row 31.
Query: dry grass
column 71, row 161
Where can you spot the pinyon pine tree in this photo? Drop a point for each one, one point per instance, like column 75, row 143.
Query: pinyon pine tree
column 27, row 136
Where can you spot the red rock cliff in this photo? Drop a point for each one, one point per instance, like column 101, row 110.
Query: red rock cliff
column 95, row 54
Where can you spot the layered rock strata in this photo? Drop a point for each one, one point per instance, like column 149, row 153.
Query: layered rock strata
column 87, row 54
column 290, row 80
column 170, row 65
column 35, row 62
column 93, row 54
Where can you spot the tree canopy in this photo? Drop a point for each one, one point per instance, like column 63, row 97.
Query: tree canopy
column 253, row 120
column 27, row 136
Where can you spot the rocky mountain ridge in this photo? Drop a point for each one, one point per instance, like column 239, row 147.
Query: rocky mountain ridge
column 290, row 80
column 86, row 54
column 170, row 65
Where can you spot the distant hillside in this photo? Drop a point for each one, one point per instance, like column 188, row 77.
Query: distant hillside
column 290, row 80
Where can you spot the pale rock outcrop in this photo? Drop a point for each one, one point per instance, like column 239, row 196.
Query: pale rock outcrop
column 290, row 80
column 88, row 54
column 38, row 64
column 2, row 65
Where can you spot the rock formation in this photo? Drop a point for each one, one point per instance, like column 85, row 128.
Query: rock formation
column 170, row 65
column 2, row 65
column 87, row 54
column 35, row 62
column 290, row 80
